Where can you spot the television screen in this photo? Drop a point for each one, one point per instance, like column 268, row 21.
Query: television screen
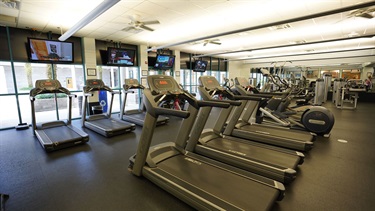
column 164, row 61
column 42, row 50
column 151, row 61
column 120, row 56
column 200, row 66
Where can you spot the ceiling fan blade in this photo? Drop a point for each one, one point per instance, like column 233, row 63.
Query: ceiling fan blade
column 365, row 15
column 150, row 22
column 217, row 43
column 146, row 28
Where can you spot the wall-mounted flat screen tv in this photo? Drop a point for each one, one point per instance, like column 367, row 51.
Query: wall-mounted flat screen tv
column 164, row 61
column 151, row 61
column 42, row 50
column 200, row 66
column 120, row 56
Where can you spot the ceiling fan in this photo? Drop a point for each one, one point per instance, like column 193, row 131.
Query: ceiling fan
column 363, row 13
column 138, row 26
column 205, row 42
column 213, row 41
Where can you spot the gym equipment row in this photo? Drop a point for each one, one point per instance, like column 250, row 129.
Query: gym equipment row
column 59, row 134
column 202, row 182
column 197, row 165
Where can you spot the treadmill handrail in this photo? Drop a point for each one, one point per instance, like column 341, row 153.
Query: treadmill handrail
column 173, row 112
column 248, row 97
column 214, row 103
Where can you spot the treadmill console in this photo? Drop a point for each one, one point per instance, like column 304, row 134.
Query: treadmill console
column 50, row 85
column 210, row 83
column 132, row 84
column 94, row 83
column 162, row 84
column 241, row 81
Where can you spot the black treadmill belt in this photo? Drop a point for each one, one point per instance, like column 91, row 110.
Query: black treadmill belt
column 140, row 117
column 290, row 134
column 61, row 134
column 109, row 124
column 227, row 186
column 255, row 153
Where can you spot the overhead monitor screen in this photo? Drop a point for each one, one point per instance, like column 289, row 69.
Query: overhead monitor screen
column 164, row 61
column 200, row 66
column 121, row 57
column 41, row 50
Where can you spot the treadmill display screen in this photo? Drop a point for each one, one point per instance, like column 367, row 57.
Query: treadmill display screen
column 242, row 81
column 163, row 84
column 47, row 84
column 94, row 83
column 209, row 82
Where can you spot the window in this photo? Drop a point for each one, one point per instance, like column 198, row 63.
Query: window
column 334, row 73
column 351, row 74
column 133, row 99
column 114, row 77
column 70, row 76
column 8, row 111
column 6, row 78
column 312, row 74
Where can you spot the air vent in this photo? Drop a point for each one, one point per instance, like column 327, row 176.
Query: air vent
column 8, row 19
column 279, row 27
column 10, row 4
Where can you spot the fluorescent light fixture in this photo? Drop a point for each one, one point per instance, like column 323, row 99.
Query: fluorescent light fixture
column 101, row 8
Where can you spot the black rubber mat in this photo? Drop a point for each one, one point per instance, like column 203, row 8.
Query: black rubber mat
column 338, row 173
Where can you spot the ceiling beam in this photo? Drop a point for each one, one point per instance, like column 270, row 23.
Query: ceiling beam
column 315, row 59
column 291, row 45
column 306, row 54
column 306, row 17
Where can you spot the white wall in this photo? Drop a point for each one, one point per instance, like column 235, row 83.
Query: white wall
column 238, row 69
column 143, row 57
column 177, row 65
column 365, row 71
column 90, row 61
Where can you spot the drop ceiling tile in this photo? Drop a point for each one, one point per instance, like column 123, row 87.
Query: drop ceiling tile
column 182, row 7
column 130, row 4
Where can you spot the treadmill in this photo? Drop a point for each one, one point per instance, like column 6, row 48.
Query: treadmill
column 57, row 134
column 273, row 162
column 136, row 116
column 242, row 128
column 203, row 183
column 103, row 124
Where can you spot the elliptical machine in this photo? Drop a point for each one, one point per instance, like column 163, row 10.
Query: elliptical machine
column 315, row 119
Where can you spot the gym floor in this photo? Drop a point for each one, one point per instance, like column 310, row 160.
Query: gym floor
column 335, row 175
